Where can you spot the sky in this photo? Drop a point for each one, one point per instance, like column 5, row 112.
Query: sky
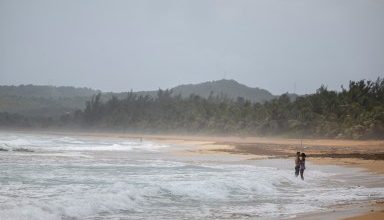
column 279, row 45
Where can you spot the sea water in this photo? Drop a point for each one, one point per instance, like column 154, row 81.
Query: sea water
column 79, row 177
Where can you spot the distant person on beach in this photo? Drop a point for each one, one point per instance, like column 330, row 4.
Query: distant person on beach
column 302, row 165
column 297, row 164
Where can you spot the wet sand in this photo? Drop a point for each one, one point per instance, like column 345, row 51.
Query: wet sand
column 371, row 216
column 376, row 213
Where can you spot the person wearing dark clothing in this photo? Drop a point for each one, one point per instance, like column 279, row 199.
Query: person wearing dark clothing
column 297, row 164
column 302, row 165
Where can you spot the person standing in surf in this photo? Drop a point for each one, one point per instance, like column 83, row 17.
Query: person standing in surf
column 297, row 164
column 302, row 165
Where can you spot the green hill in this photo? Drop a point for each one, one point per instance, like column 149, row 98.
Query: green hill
column 47, row 92
column 224, row 88
column 31, row 100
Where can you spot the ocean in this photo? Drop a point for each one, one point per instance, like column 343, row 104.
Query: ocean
column 50, row 176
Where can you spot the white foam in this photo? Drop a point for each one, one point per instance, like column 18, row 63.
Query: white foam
column 52, row 143
column 259, row 191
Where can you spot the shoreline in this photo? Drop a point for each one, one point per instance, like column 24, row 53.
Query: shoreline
column 367, row 155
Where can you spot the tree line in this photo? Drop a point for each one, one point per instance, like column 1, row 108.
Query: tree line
column 355, row 112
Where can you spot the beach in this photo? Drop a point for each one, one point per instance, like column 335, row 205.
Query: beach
column 364, row 154
column 367, row 154
column 206, row 155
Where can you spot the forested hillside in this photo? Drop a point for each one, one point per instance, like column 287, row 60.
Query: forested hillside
column 356, row 112
column 224, row 88
column 51, row 101
column 47, row 92
column 30, row 100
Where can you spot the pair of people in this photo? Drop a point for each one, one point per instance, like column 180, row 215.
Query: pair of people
column 300, row 164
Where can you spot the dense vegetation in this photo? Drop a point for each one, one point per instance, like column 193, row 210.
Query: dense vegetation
column 43, row 101
column 50, row 92
column 52, row 101
column 228, row 88
column 355, row 112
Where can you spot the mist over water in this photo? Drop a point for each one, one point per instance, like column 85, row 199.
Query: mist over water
column 62, row 177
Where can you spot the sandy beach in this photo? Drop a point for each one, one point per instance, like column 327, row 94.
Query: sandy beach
column 367, row 155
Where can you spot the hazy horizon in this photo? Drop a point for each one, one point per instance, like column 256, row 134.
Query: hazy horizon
column 280, row 46
column 345, row 85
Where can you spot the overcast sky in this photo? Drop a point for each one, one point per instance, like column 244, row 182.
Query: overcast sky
column 145, row 45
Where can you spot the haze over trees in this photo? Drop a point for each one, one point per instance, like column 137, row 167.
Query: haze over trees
column 355, row 112
column 31, row 100
column 40, row 101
